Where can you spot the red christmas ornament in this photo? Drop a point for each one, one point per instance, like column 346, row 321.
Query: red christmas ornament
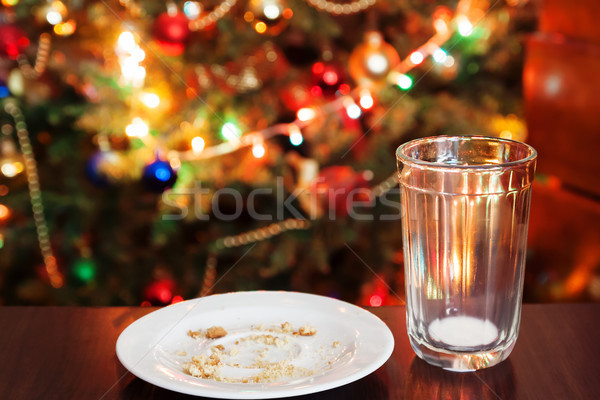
column 160, row 292
column 296, row 96
column 327, row 79
column 339, row 188
column 172, row 31
column 13, row 41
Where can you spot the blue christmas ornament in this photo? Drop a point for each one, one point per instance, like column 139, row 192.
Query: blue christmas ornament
column 158, row 176
column 4, row 92
column 93, row 173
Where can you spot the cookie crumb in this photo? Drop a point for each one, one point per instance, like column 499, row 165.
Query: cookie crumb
column 210, row 366
column 195, row 334
column 307, row 330
column 220, row 347
column 215, row 332
column 335, row 344
column 286, row 327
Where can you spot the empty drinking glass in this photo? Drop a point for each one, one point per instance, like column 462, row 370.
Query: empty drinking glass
column 466, row 211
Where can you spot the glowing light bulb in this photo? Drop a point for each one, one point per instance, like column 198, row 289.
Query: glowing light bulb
column 198, row 144
column 375, row 301
column 175, row 163
column 53, row 17
column 366, row 100
column 133, row 73
column 318, row 68
column 271, row 11
column 440, row 26
column 150, row 100
column 449, row 62
column 138, row 54
column 65, row 28
column 130, row 55
column 4, row 212
column 416, row 57
column 137, row 128
column 231, row 132
column 260, row 27
column 439, row 56
column 353, row 111
column 403, row 81
column 295, row 135
column 128, row 68
column 330, row 77
column 377, row 63
column 9, row 169
column 140, row 73
column 126, row 42
column 258, row 150
column 192, row 9
column 306, row 114
column 465, row 28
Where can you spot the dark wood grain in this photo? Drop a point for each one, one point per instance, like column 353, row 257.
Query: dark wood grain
column 69, row 353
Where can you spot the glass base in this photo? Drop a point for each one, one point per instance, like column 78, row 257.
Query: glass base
column 461, row 361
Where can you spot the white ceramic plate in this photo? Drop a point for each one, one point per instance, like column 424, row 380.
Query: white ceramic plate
column 156, row 346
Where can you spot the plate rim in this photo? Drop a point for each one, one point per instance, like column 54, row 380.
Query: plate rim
column 378, row 360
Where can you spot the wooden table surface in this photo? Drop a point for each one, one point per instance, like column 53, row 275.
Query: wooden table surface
column 69, row 353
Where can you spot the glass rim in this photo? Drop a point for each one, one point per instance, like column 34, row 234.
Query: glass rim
column 410, row 160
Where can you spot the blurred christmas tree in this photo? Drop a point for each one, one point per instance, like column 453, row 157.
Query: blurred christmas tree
column 135, row 135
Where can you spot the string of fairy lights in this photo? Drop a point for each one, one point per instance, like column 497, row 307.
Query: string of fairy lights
column 373, row 62
column 376, row 58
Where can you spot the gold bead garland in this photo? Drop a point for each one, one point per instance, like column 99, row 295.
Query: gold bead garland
column 253, row 236
column 35, row 194
column 385, row 186
column 341, row 9
column 267, row 232
column 41, row 59
column 216, row 14
column 210, row 274
column 258, row 235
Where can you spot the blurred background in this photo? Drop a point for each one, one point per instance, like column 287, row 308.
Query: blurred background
column 121, row 120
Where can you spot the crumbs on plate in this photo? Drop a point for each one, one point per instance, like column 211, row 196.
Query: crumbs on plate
column 276, row 337
column 214, row 332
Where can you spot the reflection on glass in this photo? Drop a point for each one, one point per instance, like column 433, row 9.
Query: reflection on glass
column 424, row 381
